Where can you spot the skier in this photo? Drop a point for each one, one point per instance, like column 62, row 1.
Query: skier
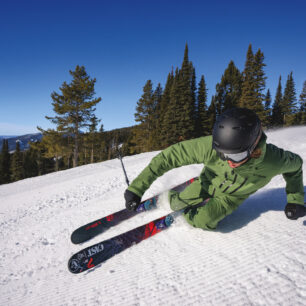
column 238, row 162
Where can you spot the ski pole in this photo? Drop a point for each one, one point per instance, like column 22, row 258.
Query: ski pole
column 120, row 157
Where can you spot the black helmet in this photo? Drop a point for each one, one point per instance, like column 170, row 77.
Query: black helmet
column 235, row 133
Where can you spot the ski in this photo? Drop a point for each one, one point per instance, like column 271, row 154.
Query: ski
column 92, row 229
column 97, row 254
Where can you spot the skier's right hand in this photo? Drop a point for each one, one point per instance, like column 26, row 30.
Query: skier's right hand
column 132, row 200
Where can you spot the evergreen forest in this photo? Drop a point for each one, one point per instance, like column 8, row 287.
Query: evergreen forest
column 165, row 115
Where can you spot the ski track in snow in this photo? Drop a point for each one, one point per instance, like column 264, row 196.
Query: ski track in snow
column 256, row 257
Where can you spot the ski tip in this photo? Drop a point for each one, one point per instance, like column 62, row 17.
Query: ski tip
column 82, row 235
column 77, row 238
column 74, row 266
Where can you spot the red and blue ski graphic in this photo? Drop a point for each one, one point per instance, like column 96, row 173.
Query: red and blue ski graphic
column 92, row 229
column 97, row 254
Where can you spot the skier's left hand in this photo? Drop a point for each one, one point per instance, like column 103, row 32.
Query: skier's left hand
column 132, row 200
column 295, row 211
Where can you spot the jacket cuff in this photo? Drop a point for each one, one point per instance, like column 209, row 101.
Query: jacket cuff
column 134, row 190
column 296, row 198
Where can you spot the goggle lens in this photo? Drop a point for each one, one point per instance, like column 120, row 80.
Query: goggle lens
column 236, row 158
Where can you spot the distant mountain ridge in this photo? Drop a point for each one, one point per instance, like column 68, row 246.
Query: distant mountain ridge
column 24, row 141
column 6, row 137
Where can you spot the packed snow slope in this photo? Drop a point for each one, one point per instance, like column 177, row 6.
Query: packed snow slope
column 256, row 257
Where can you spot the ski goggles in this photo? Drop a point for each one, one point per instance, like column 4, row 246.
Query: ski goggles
column 235, row 158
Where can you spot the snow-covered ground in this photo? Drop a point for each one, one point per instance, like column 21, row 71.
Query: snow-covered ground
column 256, row 257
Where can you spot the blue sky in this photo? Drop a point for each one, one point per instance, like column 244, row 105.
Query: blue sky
column 124, row 43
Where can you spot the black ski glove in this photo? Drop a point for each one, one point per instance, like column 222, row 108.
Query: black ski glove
column 295, row 211
column 132, row 200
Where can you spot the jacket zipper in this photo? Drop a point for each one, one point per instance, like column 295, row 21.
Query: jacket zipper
column 225, row 174
column 234, row 181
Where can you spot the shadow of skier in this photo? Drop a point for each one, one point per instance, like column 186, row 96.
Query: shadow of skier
column 252, row 208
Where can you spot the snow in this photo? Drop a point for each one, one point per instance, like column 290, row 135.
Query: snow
column 256, row 257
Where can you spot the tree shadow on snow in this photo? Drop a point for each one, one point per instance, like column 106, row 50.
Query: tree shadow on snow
column 252, row 208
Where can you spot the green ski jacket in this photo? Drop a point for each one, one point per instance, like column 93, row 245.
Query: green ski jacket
column 218, row 178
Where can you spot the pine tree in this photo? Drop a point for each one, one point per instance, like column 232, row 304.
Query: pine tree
column 277, row 115
column 102, row 147
column 202, row 112
column 260, row 82
column 186, row 123
column 5, row 158
column 268, row 110
column 228, row 91
column 17, row 171
column 53, row 146
column 172, row 115
column 212, row 114
column 44, row 164
column 254, row 83
column 289, row 104
column 30, row 163
column 163, row 110
column 180, row 118
column 145, row 115
column 92, row 138
column 194, row 104
column 248, row 96
column 303, row 105
column 156, row 128
column 74, row 106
